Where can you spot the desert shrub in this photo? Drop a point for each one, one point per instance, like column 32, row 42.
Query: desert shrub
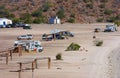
column 5, row 13
column 71, row 20
column 102, row 5
column 86, row 1
column 37, row 13
column 15, row 20
column 72, row 15
column 112, row 19
column 104, row 1
column 33, row 2
column 39, row 20
column 98, row 42
column 60, row 13
column 117, row 22
column 100, row 20
column 46, row 6
column 26, row 18
column 73, row 47
column 2, row 7
column 90, row 5
column 108, row 12
column 59, row 56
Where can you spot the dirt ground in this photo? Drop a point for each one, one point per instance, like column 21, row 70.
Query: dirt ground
column 93, row 62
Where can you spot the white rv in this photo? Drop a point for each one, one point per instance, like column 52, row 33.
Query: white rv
column 29, row 45
column 4, row 22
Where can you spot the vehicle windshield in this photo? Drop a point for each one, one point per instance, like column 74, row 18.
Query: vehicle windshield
column 29, row 35
column 37, row 46
column 23, row 36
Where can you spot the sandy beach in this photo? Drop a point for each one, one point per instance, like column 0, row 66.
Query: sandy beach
column 96, row 62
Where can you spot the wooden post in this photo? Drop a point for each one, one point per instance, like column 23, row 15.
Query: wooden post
column 49, row 63
column 11, row 53
column 32, row 69
column 36, row 66
column 54, row 36
column 6, row 58
column 20, row 70
column 19, row 50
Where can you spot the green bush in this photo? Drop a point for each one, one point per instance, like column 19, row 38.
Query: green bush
column 60, row 13
column 59, row 56
column 37, row 13
column 98, row 43
column 15, row 20
column 102, row 5
column 46, row 6
column 39, row 20
column 86, row 1
column 26, row 18
column 100, row 20
column 104, row 1
column 71, row 20
column 108, row 12
column 90, row 6
column 72, row 15
column 73, row 47
column 117, row 22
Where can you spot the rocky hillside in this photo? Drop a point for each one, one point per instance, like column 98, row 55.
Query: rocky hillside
column 39, row 11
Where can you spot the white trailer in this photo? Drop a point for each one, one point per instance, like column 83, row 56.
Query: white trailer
column 4, row 22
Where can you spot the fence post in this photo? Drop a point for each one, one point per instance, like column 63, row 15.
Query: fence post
column 19, row 50
column 33, row 69
column 49, row 63
column 36, row 66
column 11, row 53
column 20, row 70
column 6, row 58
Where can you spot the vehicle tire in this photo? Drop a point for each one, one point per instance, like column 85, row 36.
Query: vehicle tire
column 40, row 50
column 29, row 39
column 19, row 39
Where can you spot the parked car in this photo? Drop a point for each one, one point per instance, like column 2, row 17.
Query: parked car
column 8, row 25
column 26, row 26
column 67, row 33
column 47, row 38
column 58, row 36
column 19, row 24
column 25, row 37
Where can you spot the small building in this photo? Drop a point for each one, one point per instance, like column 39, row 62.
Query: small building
column 4, row 22
column 54, row 20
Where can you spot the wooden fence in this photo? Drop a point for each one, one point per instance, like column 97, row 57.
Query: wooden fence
column 33, row 63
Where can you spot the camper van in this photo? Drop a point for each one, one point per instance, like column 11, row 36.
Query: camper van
column 29, row 45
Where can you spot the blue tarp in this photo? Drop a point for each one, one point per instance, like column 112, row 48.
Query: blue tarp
column 51, row 20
